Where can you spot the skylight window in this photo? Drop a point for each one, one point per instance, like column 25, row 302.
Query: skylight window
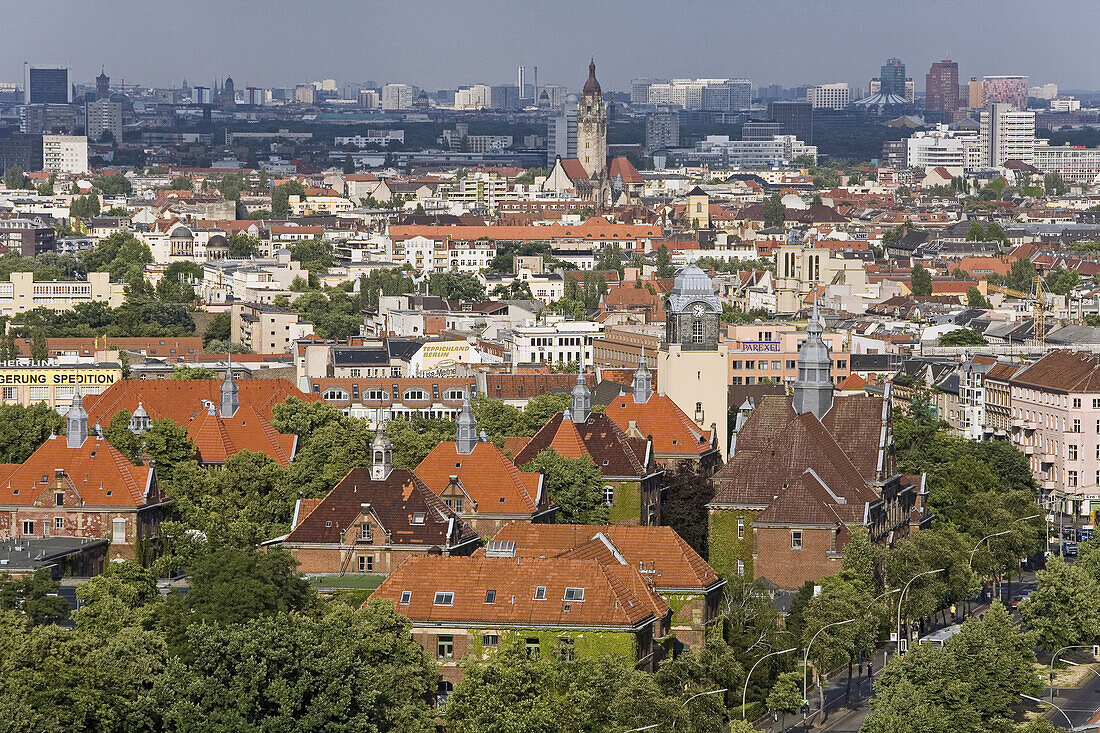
column 540, row 593
column 444, row 598
column 418, row 518
column 490, row 596
column 574, row 594
column 406, row 597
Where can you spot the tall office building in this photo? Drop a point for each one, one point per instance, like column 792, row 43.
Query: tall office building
column 974, row 91
column 397, row 96
column 1006, row 133
column 795, row 118
column 521, row 79
column 892, row 78
column 1005, row 90
column 828, row 96
column 47, row 85
column 941, row 88
column 504, row 96
column 662, row 129
column 561, row 132
column 103, row 116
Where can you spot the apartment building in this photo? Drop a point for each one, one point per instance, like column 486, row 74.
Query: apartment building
column 21, row 293
column 952, row 149
column 266, row 329
column 828, row 96
column 763, row 353
column 1006, row 133
column 65, row 153
column 250, row 281
column 1056, row 423
column 561, row 342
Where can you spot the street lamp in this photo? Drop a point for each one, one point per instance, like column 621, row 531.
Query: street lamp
column 1053, row 659
column 685, row 702
column 1063, row 712
column 901, row 600
column 982, row 540
column 1075, row 664
column 806, row 656
column 745, row 691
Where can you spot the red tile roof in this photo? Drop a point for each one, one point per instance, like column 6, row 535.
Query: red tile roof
column 487, row 476
column 668, row 561
column 614, row 452
column 614, row 596
column 99, row 474
column 218, row 438
column 672, row 430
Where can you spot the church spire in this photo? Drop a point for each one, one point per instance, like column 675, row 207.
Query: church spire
column 813, row 392
column 466, row 437
column 643, row 380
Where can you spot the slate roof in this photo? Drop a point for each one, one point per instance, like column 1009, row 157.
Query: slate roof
column 393, row 501
column 614, row 596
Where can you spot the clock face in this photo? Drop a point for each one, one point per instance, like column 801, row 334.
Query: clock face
column 698, row 309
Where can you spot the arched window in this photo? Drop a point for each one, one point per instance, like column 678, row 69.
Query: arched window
column 696, row 331
column 453, row 394
column 415, row 394
column 608, row 495
column 334, row 395
column 443, row 691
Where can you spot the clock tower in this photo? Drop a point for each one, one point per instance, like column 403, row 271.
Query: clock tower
column 692, row 366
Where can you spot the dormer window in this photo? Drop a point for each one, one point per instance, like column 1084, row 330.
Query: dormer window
column 418, row 518
column 540, row 593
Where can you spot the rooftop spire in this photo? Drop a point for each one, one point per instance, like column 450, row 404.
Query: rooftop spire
column 582, row 398
column 643, row 380
column 229, row 397
column 813, row 392
column 466, row 437
column 381, row 454
column 76, row 420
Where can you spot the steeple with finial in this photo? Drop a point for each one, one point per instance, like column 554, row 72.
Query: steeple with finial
column 229, row 397
column 582, row 399
column 381, row 454
column 813, row 392
column 643, row 380
column 76, row 422
column 466, row 436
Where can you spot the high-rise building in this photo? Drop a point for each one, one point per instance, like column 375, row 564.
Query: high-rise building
column 397, row 96
column 504, row 96
column 796, row 118
column 1005, row 90
column 102, row 85
column 48, row 85
column 892, row 77
column 65, row 153
column 910, row 91
column 561, row 132
column 1006, row 133
column 103, row 116
column 941, row 88
column 974, row 99
column 662, row 129
column 368, row 98
column 305, row 93
column 1046, row 91
column 828, row 96
column 521, row 79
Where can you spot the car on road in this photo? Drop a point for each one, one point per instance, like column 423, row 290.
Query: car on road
column 1069, row 549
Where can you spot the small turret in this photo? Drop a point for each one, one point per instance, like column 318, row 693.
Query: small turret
column 229, row 401
column 813, row 392
column 139, row 421
column 582, row 399
column 381, row 454
column 466, row 435
column 76, row 421
column 643, row 381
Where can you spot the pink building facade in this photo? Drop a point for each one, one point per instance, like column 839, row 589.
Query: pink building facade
column 769, row 351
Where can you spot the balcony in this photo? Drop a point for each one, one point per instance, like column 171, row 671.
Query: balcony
column 1047, row 458
column 1029, row 450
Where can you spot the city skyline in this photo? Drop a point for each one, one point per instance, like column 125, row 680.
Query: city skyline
column 744, row 40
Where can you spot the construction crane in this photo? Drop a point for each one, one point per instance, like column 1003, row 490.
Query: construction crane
column 1038, row 315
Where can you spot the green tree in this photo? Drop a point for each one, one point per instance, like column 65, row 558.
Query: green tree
column 457, row 287
column 1062, row 280
column 181, row 183
column 962, row 337
column 24, row 428
column 242, row 246
column 183, row 371
column 663, row 260
column 976, row 233
column 574, row 484
column 611, row 258
column 975, row 299
column 775, row 214
column 1065, row 608
column 115, row 184
column 281, row 194
column 684, row 507
column 219, row 328
column 122, row 255
column 713, row 666
column 920, row 280
column 414, row 438
column 539, row 409
column 1021, row 275
column 34, row 596
column 1055, row 185
column 785, row 697
column 349, row 164
column 347, row 670
column 14, row 178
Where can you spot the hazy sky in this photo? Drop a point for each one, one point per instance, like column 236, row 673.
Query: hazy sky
column 445, row 43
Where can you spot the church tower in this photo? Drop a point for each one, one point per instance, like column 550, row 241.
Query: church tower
column 813, row 392
column 592, row 136
column 692, row 364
